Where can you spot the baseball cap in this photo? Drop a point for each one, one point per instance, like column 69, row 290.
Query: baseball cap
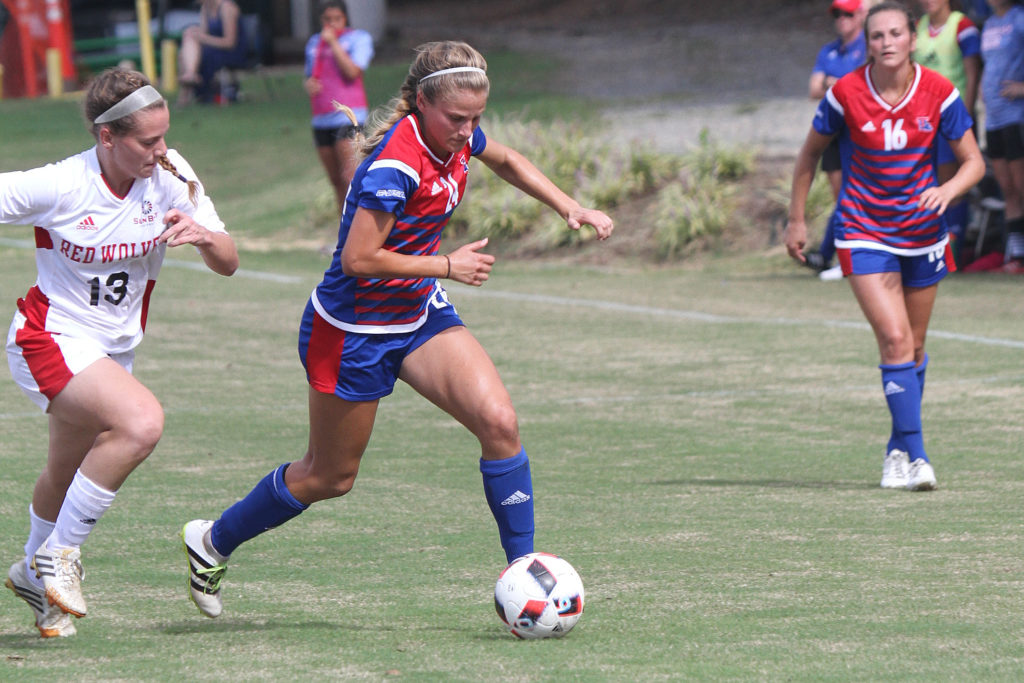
column 850, row 6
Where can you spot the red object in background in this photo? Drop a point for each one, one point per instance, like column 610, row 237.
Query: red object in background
column 34, row 27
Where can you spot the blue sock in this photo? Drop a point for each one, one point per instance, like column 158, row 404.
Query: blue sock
column 268, row 505
column 895, row 440
column 903, row 394
column 509, row 493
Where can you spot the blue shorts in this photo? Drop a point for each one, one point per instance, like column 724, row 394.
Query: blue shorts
column 364, row 367
column 923, row 270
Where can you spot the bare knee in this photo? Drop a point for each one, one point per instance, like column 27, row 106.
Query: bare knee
column 140, row 433
column 498, row 427
column 309, row 483
column 897, row 346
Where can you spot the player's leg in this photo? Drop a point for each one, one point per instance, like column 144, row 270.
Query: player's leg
column 920, row 301
column 124, row 420
column 67, row 448
column 326, row 141
column 881, row 298
column 453, row 371
column 339, row 432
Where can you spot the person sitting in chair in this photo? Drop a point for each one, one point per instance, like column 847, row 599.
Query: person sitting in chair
column 217, row 42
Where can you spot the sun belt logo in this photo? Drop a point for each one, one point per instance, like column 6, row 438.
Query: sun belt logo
column 87, row 223
column 893, row 388
column 516, row 498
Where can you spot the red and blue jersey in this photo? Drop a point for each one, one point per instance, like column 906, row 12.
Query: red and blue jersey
column 888, row 156
column 403, row 177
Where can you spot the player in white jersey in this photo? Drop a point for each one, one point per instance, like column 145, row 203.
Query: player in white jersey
column 103, row 220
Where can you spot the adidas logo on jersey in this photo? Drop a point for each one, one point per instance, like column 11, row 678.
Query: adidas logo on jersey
column 436, row 189
column 516, row 498
column 893, row 388
column 86, row 223
column 868, row 127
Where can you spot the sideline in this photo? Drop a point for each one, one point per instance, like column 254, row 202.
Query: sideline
column 719, row 319
column 187, row 265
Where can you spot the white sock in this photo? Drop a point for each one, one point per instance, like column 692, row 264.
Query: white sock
column 39, row 529
column 84, row 504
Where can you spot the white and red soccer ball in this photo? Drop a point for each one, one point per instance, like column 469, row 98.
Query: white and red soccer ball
column 539, row 596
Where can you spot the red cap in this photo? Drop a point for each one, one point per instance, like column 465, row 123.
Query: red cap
column 850, row 6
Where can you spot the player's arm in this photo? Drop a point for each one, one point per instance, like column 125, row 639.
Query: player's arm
column 364, row 254
column 803, row 176
column 517, row 170
column 971, row 171
column 217, row 248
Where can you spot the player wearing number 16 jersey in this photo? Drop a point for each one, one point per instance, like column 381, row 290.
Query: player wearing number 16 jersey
column 102, row 220
column 888, row 154
column 890, row 237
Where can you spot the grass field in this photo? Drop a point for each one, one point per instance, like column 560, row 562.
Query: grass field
column 706, row 447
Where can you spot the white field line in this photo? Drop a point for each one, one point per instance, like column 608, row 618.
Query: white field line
column 188, row 265
column 597, row 304
column 670, row 313
column 617, row 307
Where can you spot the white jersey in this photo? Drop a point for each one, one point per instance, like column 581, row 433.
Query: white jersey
column 96, row 253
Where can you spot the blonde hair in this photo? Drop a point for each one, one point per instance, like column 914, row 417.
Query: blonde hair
column 430, row 57
column 110, row 87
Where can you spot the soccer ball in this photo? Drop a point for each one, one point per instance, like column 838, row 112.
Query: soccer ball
column 539, row 596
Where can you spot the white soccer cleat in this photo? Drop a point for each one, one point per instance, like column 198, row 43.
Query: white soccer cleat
column 831, row 274
column 922, row 476
column 51, row 621
column 205, row 571
column 894, row 469
column 62, row 574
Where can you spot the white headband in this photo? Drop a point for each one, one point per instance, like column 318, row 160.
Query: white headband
column 143, row 97
column 454, row 69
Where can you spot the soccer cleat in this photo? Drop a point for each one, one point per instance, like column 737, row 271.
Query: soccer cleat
column 831, row 274
column 921, row 476
column 62, row 574
column 815, row 261
column 205, row 572
column 894, row 469
column 51, row 621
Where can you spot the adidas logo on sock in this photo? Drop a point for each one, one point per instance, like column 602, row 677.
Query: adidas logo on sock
column 516, row 498
column 893, row 388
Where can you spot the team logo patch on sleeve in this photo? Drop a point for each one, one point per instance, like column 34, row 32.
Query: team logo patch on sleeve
column 391, row 193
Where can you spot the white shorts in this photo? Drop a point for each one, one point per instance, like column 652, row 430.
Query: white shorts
column 42, row 363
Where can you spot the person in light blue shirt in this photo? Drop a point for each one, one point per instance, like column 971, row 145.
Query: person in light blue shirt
column 1002, row 89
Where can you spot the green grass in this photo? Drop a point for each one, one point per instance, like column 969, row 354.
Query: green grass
column 706, row 446
column 714, row 480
